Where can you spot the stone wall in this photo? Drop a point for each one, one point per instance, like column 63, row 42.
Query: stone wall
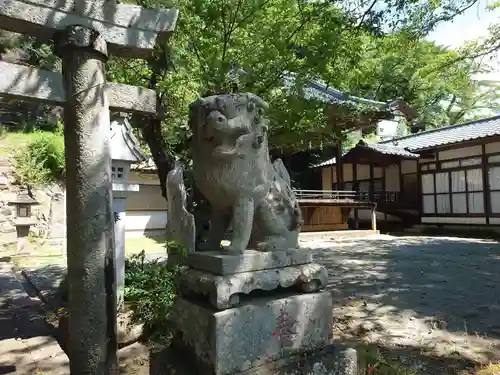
column 50, row 214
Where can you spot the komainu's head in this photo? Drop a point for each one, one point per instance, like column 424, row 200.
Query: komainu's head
column 223, row 118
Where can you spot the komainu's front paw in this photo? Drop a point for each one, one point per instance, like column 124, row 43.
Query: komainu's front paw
column 273, row 244
column 234, row 250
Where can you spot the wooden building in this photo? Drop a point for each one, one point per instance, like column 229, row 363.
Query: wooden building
column 446, row 176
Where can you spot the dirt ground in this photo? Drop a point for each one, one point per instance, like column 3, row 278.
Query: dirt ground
column 430, row 303
column 434, row 297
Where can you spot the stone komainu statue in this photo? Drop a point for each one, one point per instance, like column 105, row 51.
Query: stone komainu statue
column 233, row 171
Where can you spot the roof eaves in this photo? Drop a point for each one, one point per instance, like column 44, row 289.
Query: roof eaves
column 132, row 142
column 441, row 142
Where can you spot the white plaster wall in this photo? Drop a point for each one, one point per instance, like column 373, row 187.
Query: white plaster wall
column 392, row 178
column 409, row 166
column 148, row 198
column 348, row 172
column 363, row 172
column 141, row 221
column 326, row 178
column 146, row 210
column 454, row 220
column 492, row 147
column 495, row 220
column 460, row 152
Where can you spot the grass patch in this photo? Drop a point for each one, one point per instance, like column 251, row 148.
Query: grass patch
column 148, row 244
column 12, row 141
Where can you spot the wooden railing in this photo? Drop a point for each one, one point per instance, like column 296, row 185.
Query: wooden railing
column 387, row 197
column 331, row 194
column 396, row 199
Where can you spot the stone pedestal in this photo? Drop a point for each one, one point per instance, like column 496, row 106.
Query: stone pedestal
column 23, row 225
column 264, row 329
column 239, row 311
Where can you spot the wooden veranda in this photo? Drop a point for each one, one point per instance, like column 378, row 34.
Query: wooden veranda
column 326, row 210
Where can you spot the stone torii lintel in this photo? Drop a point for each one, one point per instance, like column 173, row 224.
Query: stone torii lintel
column 42, row 86
column 129, row 30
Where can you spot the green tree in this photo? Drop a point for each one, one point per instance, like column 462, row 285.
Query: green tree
column 25, row 50
column 221, row 45
column 441, row 96
column 253, row 45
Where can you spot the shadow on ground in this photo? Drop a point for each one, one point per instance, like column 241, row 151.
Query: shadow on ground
column 26, row 345
column 429, row 303
column 438, row 296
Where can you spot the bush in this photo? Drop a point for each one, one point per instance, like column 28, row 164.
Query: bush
column 41, row 161
column 150, row 293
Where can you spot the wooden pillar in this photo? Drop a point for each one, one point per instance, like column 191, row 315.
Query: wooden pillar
column 339, row 165
column 331, row 177
column 419, row 190
column 384, row 189
column 486, row 184
column 374, row 219
column 372, row 183
column 91, row 271
column 355, row 179
column 401, row 180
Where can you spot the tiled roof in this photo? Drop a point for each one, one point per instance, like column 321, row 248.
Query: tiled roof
column 389, row 149
column 381, row 148
column 326, row 163
column 449, row 135
column 320, row 91
column 408, row 145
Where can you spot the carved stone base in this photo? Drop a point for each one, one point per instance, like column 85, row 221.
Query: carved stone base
column 225, row 342
column 220, row 263
column 224, row 291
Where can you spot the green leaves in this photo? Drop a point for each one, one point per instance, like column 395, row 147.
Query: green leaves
column 252, row 45
column 41, row 161
column 150, row 293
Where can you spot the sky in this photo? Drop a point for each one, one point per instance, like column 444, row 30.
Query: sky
column 472, row 24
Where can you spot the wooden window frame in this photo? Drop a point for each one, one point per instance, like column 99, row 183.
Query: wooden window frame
column 438, row 169
column 489, row 189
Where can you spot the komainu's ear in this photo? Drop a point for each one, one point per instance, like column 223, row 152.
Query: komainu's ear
column 195, row 113
column 258, row 101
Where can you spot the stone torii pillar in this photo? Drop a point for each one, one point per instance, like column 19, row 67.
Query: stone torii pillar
column 85, row 31
column 89, row 221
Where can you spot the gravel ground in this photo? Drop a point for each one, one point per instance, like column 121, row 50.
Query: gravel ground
column 439, row 295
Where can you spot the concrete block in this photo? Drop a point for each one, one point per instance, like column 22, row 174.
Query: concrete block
column 237, row 339
column 218, row 263
column 224, row 291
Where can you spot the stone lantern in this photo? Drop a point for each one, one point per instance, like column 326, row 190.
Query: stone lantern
column 125, row 151
column 23, row 220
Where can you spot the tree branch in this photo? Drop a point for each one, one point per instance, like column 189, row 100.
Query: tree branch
column 358, row 28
